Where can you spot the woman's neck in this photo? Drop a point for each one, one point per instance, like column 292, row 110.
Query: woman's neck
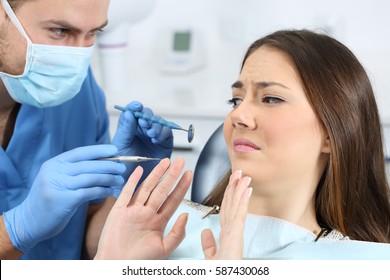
column 293, row 207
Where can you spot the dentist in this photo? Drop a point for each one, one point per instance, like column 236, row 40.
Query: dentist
column 54, row 197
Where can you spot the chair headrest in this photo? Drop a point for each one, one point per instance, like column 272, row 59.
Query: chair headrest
column 212, row 165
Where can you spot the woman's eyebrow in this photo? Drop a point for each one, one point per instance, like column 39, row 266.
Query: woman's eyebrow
column 269, row 84
column 261, row 84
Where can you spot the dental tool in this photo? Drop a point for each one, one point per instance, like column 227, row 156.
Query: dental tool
column 129, row 158
column 155, row 119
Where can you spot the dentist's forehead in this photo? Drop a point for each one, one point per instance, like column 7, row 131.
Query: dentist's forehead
column 85, row 15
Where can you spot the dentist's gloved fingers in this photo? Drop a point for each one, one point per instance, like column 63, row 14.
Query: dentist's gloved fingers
column 94, row 166
column 161, row 191
column 148, row 185
column 128, row 190
column 127, row 123
column 88, row 153
column 127, row 120
column 135, row 106
column 84, row 195
column 92, row 180
column 126, row 128
column 174, row 199
column 125, row 133
column 154, row 130
column 164, row 135
column 146, row 124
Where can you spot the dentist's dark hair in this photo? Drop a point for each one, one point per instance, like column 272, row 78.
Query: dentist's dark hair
column 353, row 195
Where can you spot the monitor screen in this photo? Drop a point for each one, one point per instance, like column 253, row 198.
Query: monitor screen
column 182, row 41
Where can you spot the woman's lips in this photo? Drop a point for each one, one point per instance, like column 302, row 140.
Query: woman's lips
column 244, row 145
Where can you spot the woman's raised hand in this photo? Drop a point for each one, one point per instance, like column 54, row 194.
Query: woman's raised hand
column 232, row 218
column 135, row 226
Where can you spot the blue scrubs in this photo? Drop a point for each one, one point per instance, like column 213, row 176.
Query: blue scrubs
column 41, row 134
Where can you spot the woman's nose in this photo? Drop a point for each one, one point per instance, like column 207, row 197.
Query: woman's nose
column 243, row 116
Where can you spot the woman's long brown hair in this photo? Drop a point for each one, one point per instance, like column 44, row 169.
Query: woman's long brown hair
column 353, row 193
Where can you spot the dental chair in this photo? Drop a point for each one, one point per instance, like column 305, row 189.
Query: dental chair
column 212, row 165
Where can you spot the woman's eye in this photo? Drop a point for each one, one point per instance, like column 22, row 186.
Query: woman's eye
column 272, row 100
column 234, row 102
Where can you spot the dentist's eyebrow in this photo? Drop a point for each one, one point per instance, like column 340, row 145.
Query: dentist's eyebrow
column 69, row 26
column 237, row 84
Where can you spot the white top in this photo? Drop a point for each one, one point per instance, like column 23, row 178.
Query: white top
column 272, row 238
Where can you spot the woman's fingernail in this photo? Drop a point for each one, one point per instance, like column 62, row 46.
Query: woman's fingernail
column 250, row 190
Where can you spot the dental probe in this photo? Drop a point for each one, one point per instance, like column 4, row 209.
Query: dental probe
column 128, row 158
column 159, row 120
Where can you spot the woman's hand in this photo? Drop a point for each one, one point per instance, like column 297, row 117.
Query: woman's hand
column 135, row 226
column 232, row 218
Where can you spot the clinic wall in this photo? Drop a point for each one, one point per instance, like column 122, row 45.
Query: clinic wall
column 233, row 24
column 227, row 27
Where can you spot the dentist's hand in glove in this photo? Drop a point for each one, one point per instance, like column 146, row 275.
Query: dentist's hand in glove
column 61, row 186
column 138, row 137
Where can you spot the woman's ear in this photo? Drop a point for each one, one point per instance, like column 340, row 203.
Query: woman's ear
column 326, row 146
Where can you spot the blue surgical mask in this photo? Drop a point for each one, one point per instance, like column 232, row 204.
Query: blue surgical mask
column 52, row 74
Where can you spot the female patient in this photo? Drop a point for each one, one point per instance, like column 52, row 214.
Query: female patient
column 304, row 141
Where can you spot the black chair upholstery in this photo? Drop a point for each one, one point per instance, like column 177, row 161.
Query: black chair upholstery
column 212, row 165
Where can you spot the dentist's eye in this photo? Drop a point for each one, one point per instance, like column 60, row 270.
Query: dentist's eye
column 272, row 100
column 95, row 32
column 234, row 102
column 59, row 32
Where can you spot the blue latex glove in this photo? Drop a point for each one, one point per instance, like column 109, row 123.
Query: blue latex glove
column 138, row 137
column 63, row 183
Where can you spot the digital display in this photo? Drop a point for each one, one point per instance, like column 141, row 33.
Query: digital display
column 182, row 41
